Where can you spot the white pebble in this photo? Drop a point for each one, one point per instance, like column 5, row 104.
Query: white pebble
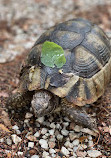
column 67, row 119
column 20, row 153
column 45, row 154
column 53, row 155
column 64, row 151
column 28, row 115
column 52, row 151
column 15, row 138
column 64, row 132
column 37, row 134
column 51, row 132
column 40, row 119
column 52, row 125
column 94, row 153
column 30, row 144
column 44, row 131
column 43, row 143
column 58, row 126
column 77, row 128
column 65, row 124
column 35, row 156
column 90, row 143
column 68, row 144
column 15, row 127
column 90, row 137
column 2, row 140
column 9, row 141
column 59, row 137
column 75, row 142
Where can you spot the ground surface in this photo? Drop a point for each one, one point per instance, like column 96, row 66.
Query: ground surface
column 21, row 23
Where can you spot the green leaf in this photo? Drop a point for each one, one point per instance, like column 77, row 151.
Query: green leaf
column 52, row 54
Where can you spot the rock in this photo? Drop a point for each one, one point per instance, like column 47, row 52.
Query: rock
column 90, row 137
column 15, row 127
column 75, row 142
column 81, row 154
column 30, row 144
column 66, row 124
column 35, row 156
column 68, row 144
column 40, row 119
column 59, row 137
column 28, row 115
column 52, row 125
column 45, row 154
column 90, row 143
column 77, row 128
column 64, row 132
column 51, row 144
column 94, row 153
column 37, row 134
column 64, row 151
column 88, row 131
column 43, row 143
column 15, row 138
column 52, row 151
column 51, row 132
column 72, row 136
column 58, row 126
column 44, row 131
column 9, row 141
column 20, row 153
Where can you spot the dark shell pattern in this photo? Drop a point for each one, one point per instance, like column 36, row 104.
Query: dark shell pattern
column 84, row 76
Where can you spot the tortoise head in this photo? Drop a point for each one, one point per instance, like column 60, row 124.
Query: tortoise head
column 43, row 103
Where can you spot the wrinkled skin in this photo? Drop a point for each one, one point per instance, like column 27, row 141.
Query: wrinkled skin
column 45, row 103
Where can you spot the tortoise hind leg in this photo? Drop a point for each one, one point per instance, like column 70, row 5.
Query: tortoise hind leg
column 19, row 100
column 78, row 115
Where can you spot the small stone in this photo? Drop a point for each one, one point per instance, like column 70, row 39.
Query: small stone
column 67, row 119
column 66, row 124
column 44, row 137
column 52, row 125
column 59, row 137
column 15, row 127
column 2, row 140
column 15, row 138
column 72, row 125
column 68, row 144
column 51, row 132
column 88, row 131
column 30, row 144
column 64, row 132
column 51, row 144
column 75, row 142
column 37, row 134
column 18, row 131
column 84, row 146
column 94, row 153
column 58, row 126
column 20, row 153
column 90, row 137
column 40, row 119
column 75, row 148
column 43, row 143
column 9, row 141
column 64, row 151
column 45, row 154
column 72, row 136
column 35, row 156
column 53, row 155
column 28, row 115
column 44, row 131
column 52, row 151
column 77, row 128
column 81, row 154
column 90, row 143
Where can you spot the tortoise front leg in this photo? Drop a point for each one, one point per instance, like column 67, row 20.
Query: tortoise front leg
column 78, row 114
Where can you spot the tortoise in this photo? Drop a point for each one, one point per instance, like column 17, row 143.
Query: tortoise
column 80, row 81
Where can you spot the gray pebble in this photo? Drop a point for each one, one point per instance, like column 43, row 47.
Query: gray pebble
column 35, row 156
column 75, row 142
column 43, row 143
column 94, row 153
column 64, row 151
column 37, row 134
column 64, row 132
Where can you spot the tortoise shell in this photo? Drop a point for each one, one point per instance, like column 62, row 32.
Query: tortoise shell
column 84, row 76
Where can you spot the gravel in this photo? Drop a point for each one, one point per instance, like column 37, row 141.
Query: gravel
column 15, row 138
column 94, row 153
column 64, row 151
column 43, row 143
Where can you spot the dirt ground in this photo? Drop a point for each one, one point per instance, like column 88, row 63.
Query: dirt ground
column 17, row 35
